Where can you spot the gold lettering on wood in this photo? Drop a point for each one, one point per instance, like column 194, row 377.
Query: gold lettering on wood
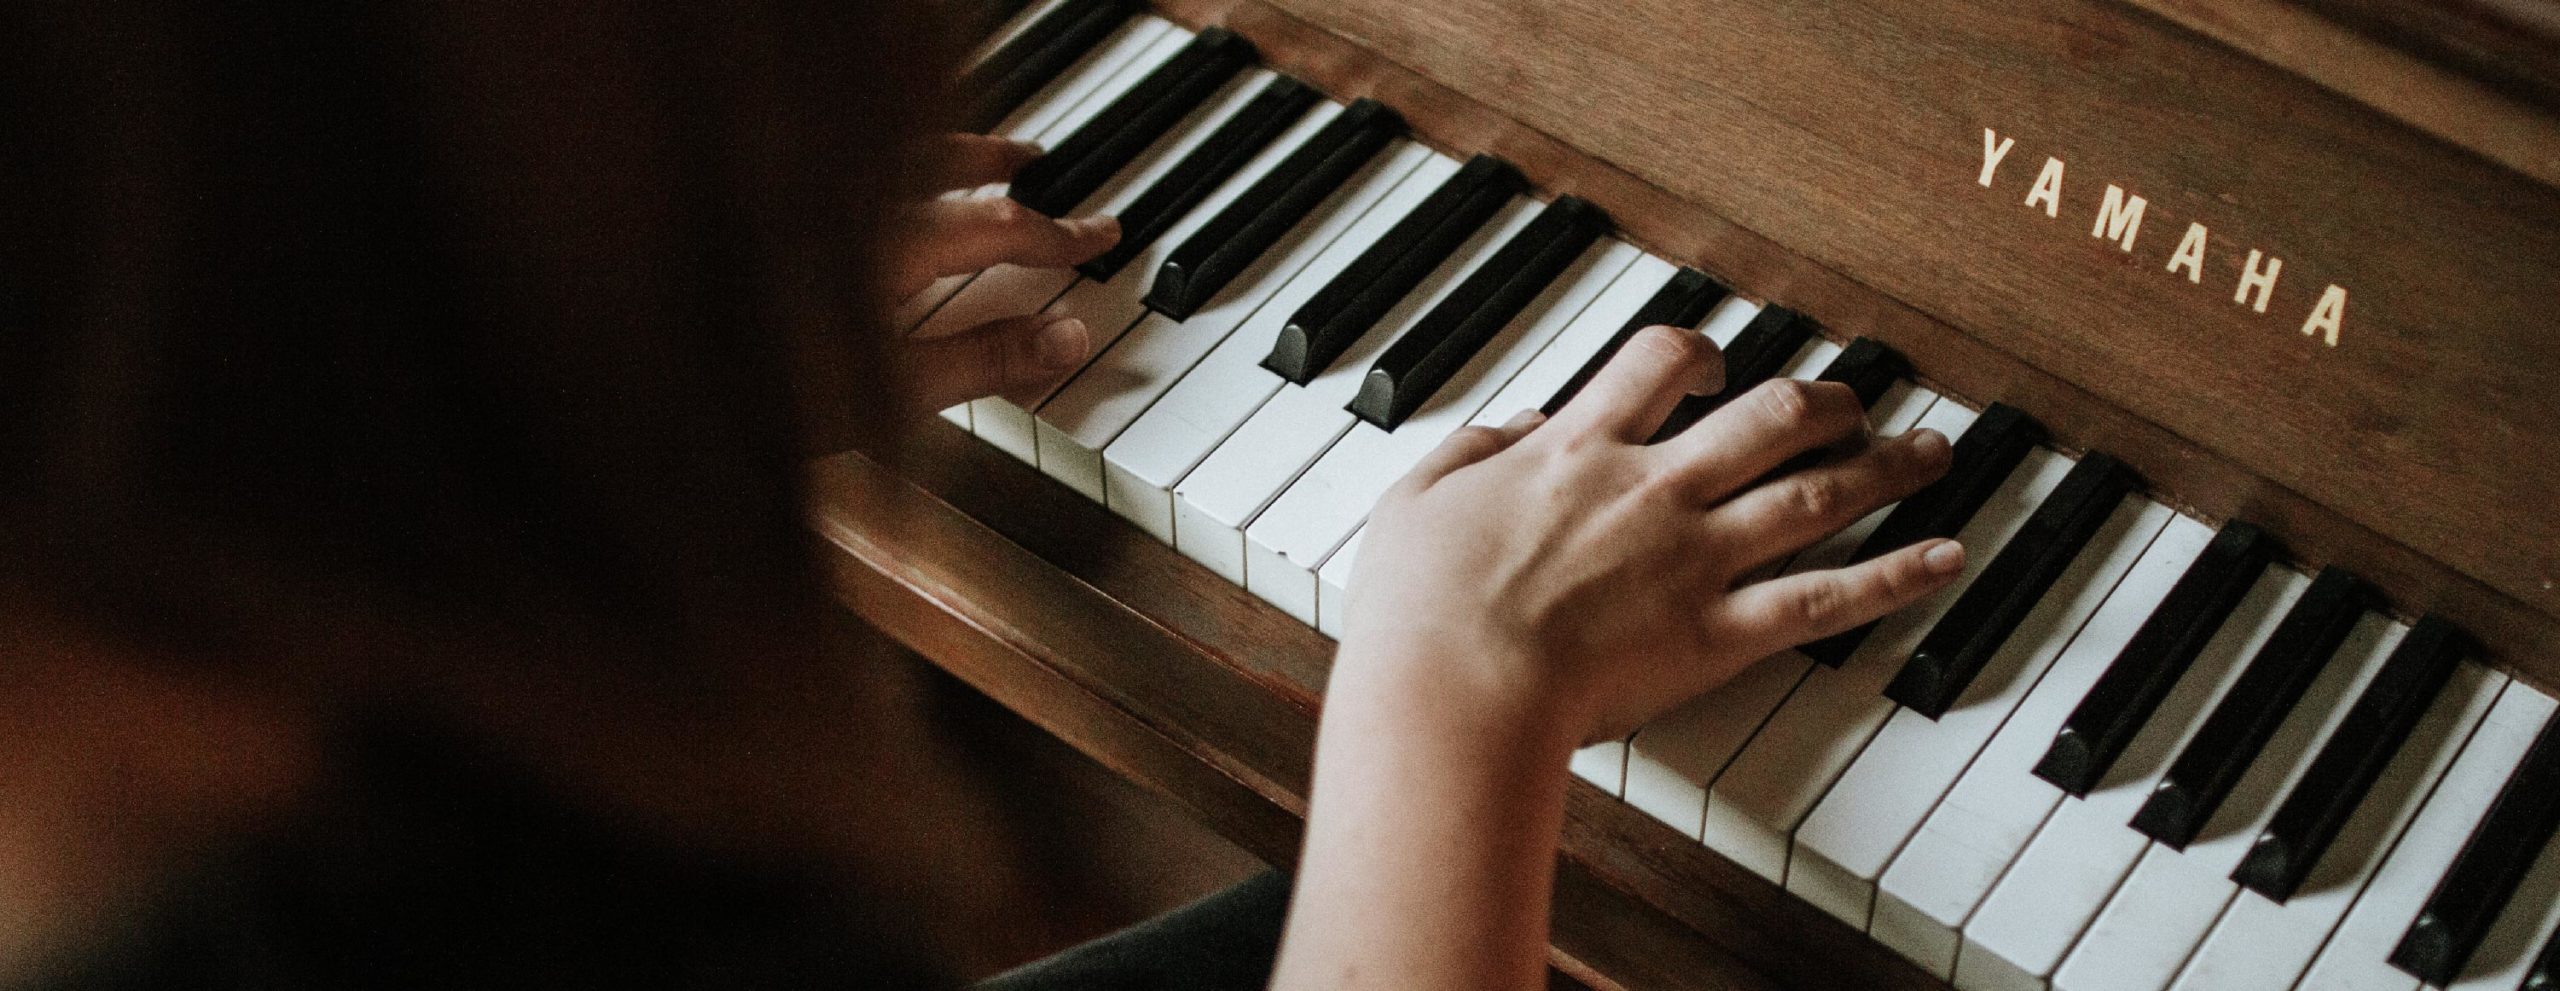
column 2048, row 188
column 2118, row 218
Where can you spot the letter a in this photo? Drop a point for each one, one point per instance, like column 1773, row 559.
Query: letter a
column 2048, row 188
column 2327, row 315
column 2190, row 253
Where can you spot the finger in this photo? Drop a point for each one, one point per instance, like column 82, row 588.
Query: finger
column 1792, row 513
column 1469, row 445
column 965, row 161
column 1774, row 615
column 1760, row 429
column 1642, row 382
column 1011, row 356
column 952, row 237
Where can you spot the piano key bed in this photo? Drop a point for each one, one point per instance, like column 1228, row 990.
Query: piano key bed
column 2122, row 751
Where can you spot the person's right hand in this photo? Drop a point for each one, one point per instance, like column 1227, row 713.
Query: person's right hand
column 1567, row 574
column 955, row 235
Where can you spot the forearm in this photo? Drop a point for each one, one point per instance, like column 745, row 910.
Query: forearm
column 1431, row 836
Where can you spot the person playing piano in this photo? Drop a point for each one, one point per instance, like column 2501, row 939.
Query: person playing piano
column 405, row 581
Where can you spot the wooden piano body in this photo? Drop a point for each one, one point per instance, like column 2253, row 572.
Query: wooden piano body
column 2335, row 318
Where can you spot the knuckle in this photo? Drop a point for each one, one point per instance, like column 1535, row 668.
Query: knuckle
column 1007, row 211
column 1817, row 498
column 1672, row 344
column 1819, row 604
column 1785, row 401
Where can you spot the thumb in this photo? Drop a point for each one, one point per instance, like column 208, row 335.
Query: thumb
column 1000, row 357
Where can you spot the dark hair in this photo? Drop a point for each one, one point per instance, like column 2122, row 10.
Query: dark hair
column 500, row 317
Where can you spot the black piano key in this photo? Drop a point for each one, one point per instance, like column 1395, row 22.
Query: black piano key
column 1973, row 628
column 1348, row 306
column 2123, row 698
column 1984, row 456
column 2485, row 874
column 1681, row 302
column 1214, row 160
column 1055, row 182
column 1202, row 265
column 2222, row 749
column 2545, row 974
column 1421, row 361
column 1868, row 368
column 998, row 84
column 2373, row 730
column 1764, row 346
column 981, row 18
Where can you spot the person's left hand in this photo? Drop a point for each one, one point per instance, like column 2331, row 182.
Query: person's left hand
column 954, row 235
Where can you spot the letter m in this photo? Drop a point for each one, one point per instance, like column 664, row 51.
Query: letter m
column 2119, row 217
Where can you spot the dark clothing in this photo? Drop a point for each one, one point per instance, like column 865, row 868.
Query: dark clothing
column 1225, row 942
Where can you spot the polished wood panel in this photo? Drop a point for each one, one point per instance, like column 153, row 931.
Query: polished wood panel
column 1161, row 671
column 1773, row 153
column 2483, row 75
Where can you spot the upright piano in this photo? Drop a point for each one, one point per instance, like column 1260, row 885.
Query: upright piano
column 2241, row 313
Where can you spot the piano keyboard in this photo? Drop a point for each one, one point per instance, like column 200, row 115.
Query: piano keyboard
column 2122, row 751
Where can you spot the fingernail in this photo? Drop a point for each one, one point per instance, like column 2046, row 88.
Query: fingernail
column 1931, row 446
column 1946, row 558
column 1030, row 148
column 1087, row 226
column 1063, row 343
column 1524, row 419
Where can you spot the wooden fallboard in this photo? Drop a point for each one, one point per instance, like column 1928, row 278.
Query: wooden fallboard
column 1831, row 156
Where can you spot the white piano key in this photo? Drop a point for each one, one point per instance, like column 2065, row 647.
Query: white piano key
column 1107, row 308
column 1853, row 833
column 2162, row 912
column 2084, row 850
column 1056, row 109
column 1543, row 375
column 2261, row 944
column 2356, row 957
column 1142, row 466
column 1810, row 359
column 1318, row 511
column 2532, row 914
column 1604, row 764
column 1754, row 806
column 1333, row 580
column 1725, row 322
column 1945, row 870
column 1671, row 762
column 1214, row 504
column 958, row 415
column 1123, row 57
column 1082, row 416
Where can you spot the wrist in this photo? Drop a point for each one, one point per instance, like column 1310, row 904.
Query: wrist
column 1493, row 698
